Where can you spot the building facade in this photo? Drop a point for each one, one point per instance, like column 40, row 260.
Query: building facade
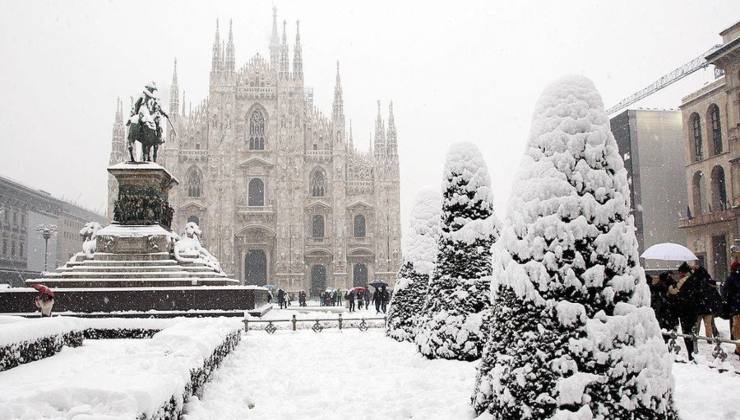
column 711, row 121
column 23, row 251
column 651, row 143
column 281, row 193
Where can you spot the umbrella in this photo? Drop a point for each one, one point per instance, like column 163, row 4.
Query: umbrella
column 43, row 290
column 357, row 289
column 668, row 251
column 378, row 284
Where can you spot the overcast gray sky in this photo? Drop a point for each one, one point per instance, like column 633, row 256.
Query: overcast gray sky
column 456, row 71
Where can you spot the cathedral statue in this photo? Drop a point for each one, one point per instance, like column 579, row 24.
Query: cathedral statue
column 145, row 124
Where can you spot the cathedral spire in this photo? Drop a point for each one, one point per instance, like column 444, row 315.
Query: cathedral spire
column 274, row 41
column 379, row 135
column 174, row 92
column 119, row 110
column 284, row 60
column 351, row 140
column 338, row 107
column 216, row 59
column 230, row 60
column 392, row 134
column 297, row 54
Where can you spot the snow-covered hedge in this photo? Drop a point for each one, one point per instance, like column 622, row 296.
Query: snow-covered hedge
column 144, row 379
column 26, row 340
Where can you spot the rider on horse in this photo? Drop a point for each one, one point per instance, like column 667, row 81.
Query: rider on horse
column 146, row 123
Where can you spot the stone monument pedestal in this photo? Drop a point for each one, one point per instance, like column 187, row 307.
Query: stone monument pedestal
column 138, row 264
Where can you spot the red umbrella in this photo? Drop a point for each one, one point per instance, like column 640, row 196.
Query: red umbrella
column 43, row 290
column 358, row 289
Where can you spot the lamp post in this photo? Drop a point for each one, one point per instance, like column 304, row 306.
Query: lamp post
column 46, row 232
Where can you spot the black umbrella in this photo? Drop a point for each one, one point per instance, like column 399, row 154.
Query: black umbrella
column 378, row 284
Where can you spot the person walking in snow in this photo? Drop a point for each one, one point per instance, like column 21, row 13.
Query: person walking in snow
column 663, row 305
column 732, row 295
column 686, row 292
column 709, row 302
column 280, row 297
column 367, row 299
column 384, row 299
column 351, row 300
column 378, row 300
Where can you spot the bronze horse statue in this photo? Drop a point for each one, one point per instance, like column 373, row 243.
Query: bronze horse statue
column 149, row 138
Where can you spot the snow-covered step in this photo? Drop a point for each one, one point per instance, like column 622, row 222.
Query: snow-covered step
column 102, row 256
column 132, row 275
column 143, row 282
column 123, row 268
column 132, row 262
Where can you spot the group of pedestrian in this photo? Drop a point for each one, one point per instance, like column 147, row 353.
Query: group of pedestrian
column 690, row 297
column 330, row 298
column 380, row 298
column 302, row 298
column 284, row 298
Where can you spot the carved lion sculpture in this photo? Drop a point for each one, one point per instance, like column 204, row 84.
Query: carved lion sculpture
column 187, row 248
column 88, row 234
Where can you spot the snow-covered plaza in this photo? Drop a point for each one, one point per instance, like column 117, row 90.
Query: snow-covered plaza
column 286, row 375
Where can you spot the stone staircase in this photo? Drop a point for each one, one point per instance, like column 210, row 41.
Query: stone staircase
column 132, row 270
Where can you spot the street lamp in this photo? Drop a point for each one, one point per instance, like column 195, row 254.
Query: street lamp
column 46, row 232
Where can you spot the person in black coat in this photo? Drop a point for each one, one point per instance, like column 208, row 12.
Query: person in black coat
column 732, row 295
column 351, row 300
column 686, row 294
column 709, row 302
column 661, row 302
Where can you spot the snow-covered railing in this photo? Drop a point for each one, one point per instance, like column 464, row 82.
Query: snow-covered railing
column 319, row 324
column 23, row 340
column 718, row 353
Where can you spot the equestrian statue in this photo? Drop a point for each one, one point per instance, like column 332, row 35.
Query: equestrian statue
column 145, row 124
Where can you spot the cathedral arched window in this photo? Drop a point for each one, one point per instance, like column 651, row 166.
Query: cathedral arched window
column 257, row 130
column 359, row 226
column 194, row 183
column 317, row 226
column 256, row 193
column 318, row 183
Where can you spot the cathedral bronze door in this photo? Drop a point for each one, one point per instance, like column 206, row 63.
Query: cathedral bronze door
column 255, row 267
column 359, row 275
column 318, row 279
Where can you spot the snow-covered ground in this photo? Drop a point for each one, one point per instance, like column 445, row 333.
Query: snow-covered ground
column 334, row 375
column 355, row 375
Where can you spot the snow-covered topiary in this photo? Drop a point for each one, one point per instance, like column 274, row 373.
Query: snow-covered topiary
column 572, row 335
column 458, row 297
column 419, row 252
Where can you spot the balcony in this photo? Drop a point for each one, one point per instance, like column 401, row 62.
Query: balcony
column 707, row 218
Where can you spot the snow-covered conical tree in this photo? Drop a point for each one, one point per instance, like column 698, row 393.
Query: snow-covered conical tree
column 574, row 336
column 459, row 291
column 420, row 252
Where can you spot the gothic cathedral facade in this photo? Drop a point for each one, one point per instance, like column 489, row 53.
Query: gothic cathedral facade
column 279, row 190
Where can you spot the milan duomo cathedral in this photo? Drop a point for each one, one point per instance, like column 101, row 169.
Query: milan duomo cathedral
column 279, row 190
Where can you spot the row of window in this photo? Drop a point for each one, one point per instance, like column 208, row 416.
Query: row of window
column 11, row 250
column 8, row 214
column 256, row 187
column 715, row 131
column 317, row 225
